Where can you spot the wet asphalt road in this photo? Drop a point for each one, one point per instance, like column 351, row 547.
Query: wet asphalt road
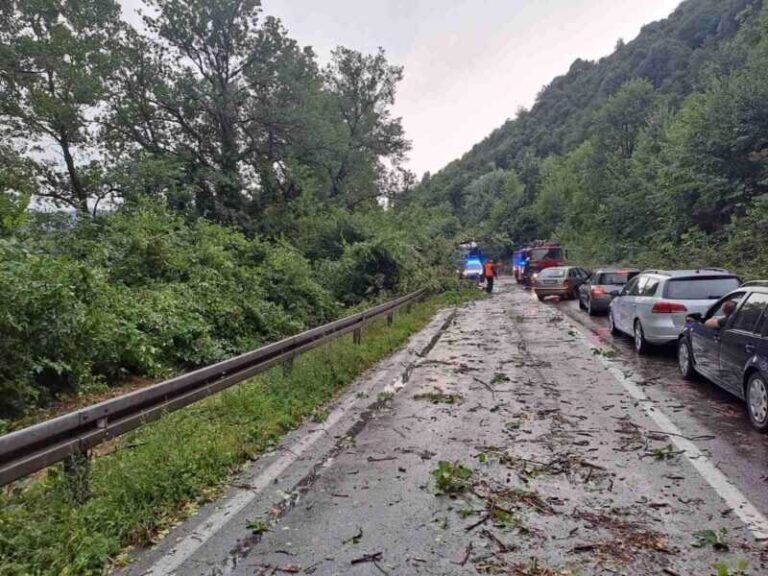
column 699, row 407
column 553, row 463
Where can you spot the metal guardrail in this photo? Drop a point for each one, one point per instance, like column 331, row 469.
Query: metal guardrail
column 71, row 435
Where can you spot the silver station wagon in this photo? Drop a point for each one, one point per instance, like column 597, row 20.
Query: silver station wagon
column 653, row 306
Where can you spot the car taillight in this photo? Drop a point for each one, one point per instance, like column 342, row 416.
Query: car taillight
column 668, row 308
column 566, row 284
column 597, row 291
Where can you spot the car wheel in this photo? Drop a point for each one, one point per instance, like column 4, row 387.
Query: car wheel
column 540, row 297
column 612, row 324
column 685, row 360
column 591, row 311
column 641, row 344
column 581, row 303
column 757, row 402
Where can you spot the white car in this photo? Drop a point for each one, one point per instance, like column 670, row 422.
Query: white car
column 653, row 306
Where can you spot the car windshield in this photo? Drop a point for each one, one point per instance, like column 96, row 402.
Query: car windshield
column 613, row 278
column 473, row 267
column 546, row 254
column 552, row 273
column 703, row 288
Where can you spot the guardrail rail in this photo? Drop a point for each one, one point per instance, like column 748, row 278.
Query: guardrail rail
column 68, row 437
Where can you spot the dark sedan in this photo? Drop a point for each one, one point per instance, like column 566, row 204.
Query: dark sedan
column 729, row 346
column 596, row 293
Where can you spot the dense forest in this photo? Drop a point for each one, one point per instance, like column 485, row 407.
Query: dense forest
column 175, row 195
column 656, row 155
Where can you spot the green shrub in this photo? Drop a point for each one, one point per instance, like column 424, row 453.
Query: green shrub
column 140, row 292
column 144, row 292
column 373, row 269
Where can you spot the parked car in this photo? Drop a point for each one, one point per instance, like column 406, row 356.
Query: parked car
column 735, row 356
column 563, row 281
column 596, row 293
column 653, row 306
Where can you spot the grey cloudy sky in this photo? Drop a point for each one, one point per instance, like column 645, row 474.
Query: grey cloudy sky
column 469, row 64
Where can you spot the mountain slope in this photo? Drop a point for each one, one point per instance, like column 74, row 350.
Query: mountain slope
column 609, row 137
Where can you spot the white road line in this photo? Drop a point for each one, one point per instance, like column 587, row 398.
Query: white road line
column 188, row 546
column 755, row 521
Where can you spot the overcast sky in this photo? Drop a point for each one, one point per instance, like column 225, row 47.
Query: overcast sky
column 469, row 64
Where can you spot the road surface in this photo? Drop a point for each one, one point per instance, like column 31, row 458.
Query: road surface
column 511, row 437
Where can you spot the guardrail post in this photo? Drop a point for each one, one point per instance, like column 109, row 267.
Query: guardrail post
column 357, row 336
column 408, row 308
column 390, row 318
column 76, row 472
column 288, row 366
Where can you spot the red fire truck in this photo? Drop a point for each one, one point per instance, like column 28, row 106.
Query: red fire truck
column 529, row 261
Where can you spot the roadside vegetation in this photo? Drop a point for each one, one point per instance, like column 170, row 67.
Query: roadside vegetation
column 144, row 292
column 151, row 478
column 655, row 155
column 218, row 189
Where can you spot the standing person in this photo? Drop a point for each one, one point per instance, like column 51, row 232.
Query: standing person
column 489, row 272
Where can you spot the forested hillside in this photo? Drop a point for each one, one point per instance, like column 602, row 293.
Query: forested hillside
column 175, row 195
column 656, row 154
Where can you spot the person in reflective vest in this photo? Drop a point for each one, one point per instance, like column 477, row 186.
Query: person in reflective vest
column 489, row 273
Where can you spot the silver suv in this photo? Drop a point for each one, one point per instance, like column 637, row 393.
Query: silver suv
column 653, row 306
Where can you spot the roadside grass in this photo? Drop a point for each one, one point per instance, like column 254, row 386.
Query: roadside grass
column 152, row 478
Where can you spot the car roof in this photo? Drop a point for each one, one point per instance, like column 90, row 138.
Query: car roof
column 610, row 270
column 755, row 284
column 709, row 272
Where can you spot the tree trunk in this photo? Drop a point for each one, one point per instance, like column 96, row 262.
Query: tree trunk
column 79, row 193
column 228, row 186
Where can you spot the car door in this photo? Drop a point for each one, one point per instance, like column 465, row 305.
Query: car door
column 646, row 297
column 738, row 343
column 585, row 288
column 573, row 279
column 623, row 306
column 583, row 276
column 635, row 294
column 705, row 341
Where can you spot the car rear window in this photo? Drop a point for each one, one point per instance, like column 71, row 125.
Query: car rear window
column 613, row 278
column 701, row 288
column 552, row 273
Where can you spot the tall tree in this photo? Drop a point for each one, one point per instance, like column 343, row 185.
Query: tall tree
column 620, row 121
column 363, row 89
column 222, row 93
column 55, row 59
